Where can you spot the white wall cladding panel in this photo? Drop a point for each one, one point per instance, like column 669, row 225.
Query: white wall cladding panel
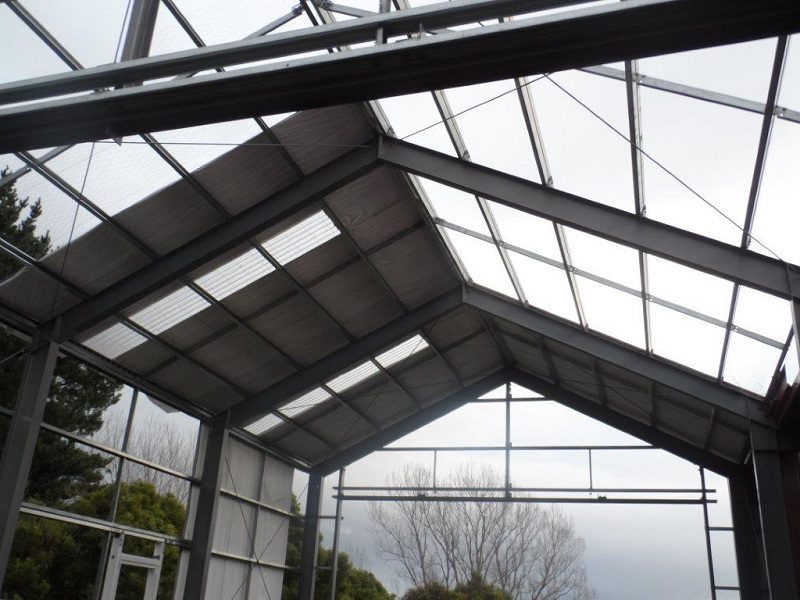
column 235, row 520
column 225, row 577
column 273, row 578
column 245, row 464
column 276, row 489
column 271, row 536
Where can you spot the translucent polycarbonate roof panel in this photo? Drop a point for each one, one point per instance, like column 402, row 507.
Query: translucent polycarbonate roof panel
column 526, row 231
column 232, row 20
column 410, row 114
column 114, row 341
column 686, row 340
column 455, row 206
column 305, row 402
column 169, row 310
column 353, row 376
column 105, row 20
column 545, row 286
column 194, row 147
column 791, row 363
column 494, row 130
column 235, row 274
column 789, row 96
column 62, row 217
column 482, row 261
column 763, row 314
column 738, row 69
column 18, row 38
column 750, row 364
column 691, row 288
column 612, row 312
column 609, row 260
column 264, row 424
column 401, row 351
column 586, row 157
column 707, row 147
column 10, row 162
column 311, row 232
column 778, row 212
column 114, row 176
column 168, row 35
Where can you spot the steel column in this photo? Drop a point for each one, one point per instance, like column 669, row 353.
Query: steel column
column 749, row 559
column 206, row 511
column 336, row 532
column 736, row 264
column 308, row 557
column 781, row 576
column 21, row 437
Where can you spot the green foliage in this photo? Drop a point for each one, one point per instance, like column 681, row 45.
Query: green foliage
column 352, row 583
column 475, row 589
column 19, row 227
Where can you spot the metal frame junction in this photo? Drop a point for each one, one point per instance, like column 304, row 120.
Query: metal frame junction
column 413, row 51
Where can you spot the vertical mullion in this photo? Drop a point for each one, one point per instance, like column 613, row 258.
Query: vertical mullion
column 781, row 50
column 637, row 169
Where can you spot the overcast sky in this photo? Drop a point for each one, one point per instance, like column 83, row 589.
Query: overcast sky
column 631, row 552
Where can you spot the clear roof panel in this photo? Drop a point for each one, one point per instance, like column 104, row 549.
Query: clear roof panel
column 305, row 402
column 233, row 20
column 235, row 274
column 708, row 147
column 58, row 210
column 750, row 364
column 168, row 35
column 119, row 175
column 693, row 289
column 194, row 147
column 612, row 312
column 495, row 133
column 413, row 112
column 483, row 263
column 107, row 19
column 545, row 286
column 353, row 376
column 791, row 363
column 16, row 37
column 789, row 96
column 115, row 341
column 169, row 310
column 738, row 70
column 264, row 424
column 455, row 206
column 607, row 259
column 10, row 162
column 586, row 157
column 300, row 238
column 526, row 231
column 401, row 351
column 764, row 314
column 778, row 210
column 686, row 340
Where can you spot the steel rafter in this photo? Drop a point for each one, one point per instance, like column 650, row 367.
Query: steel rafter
column 360, row 349
column 768, row 119
column 598, row 34
column 630, row 359
column 705, row 254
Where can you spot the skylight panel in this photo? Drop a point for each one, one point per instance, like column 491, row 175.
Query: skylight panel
column 301, row 238
column 688, row 287
column 402, row 351
column 483, row 263
column 686, row 340
column 607, row 259
column 764, row 314
column 353, row 377
column 170, row 310
column 526, row 231
column 114, row 341
column 546, row 287
column 264, row 424
column 612, row 312
column 455, row 206
column 235, row 274
column 305, row 402
column 750, row 364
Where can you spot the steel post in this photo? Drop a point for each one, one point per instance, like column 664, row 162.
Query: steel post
column 308, row 558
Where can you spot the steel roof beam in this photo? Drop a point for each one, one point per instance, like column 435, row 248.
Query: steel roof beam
column 620, row 355
column 584, row 36
column 732, row 263
column 412, row 423
column 225, row 236
column 359, row 350
column 626, row 424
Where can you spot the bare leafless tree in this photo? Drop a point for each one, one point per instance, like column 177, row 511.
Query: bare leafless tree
column 530, row 552
column 156, row 441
